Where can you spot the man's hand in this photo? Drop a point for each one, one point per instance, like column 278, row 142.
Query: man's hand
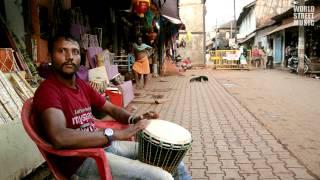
column 150, row 115
column 130, row 131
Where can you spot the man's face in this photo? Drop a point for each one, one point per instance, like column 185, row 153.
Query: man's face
column 139, row 41
column 66, row 57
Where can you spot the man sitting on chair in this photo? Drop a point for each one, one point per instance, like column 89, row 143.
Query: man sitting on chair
column 63, row 106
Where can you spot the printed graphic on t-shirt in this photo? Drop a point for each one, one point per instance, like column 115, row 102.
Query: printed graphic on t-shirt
column 83, row 119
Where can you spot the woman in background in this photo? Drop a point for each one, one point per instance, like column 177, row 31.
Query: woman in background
column 141, row 66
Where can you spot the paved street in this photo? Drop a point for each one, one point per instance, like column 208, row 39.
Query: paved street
column 229, row 141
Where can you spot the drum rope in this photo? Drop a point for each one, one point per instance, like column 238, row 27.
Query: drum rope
column 176, row 160
column 149, row 152
column 154, row 160
column 166, row 160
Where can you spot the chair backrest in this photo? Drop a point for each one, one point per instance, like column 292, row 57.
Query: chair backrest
column 29, row 124
column 50, row 154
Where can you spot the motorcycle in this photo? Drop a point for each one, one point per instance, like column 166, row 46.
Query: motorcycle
column 184, row 64
column 293, row 63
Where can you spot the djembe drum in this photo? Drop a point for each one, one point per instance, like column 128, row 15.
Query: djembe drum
column 163, row 144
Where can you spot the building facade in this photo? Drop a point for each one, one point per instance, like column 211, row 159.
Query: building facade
column 192, row 14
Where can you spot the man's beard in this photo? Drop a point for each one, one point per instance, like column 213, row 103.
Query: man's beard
column 64, row 74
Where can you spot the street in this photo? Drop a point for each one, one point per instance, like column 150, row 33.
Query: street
column 287, row 104
column 259, row 124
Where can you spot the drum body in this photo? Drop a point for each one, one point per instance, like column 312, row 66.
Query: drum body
column 163, row 144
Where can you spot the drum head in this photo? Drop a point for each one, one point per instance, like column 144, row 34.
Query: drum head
column 168, row 132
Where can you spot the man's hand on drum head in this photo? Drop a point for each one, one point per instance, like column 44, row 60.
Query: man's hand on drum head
column 131, row 130
column 147, row 115
column 150, row 115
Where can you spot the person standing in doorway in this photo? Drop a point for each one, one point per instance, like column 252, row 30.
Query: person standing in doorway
column 269, row 58
column 288, row 53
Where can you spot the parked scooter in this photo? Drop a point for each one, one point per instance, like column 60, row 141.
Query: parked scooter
column 184, row 64
column 293, row 63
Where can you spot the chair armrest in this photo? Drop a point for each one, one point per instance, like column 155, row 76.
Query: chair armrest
column 91, row 152
column 98, row 154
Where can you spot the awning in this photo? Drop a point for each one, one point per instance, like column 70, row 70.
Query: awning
column 246, row 38
column 170, row 8
column 173, row 20
column 281, row 27
column 316, row 18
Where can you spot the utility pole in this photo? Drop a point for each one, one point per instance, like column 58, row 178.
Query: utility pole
column 231, row 29
column 216, row 38
column 235, row 20
column 301, row 50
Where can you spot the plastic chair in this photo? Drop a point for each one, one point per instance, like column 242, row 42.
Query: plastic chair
column 29, row 124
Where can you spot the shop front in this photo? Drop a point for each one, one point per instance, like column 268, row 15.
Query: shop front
column 99, row 26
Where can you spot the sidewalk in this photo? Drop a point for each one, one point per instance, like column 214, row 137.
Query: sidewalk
column 228, row 141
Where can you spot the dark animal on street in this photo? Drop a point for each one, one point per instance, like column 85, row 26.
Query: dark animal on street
column 204, row 78
column 199, row 79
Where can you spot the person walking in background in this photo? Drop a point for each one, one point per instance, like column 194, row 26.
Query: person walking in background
column 288, row 50
column 269, row 58
column 262, row 57
column 255, row 56
column 141, row 66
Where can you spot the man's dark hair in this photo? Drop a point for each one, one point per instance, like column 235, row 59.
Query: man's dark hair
column 66, row 36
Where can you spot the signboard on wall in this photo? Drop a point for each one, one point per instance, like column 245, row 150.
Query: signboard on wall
column 232, row 42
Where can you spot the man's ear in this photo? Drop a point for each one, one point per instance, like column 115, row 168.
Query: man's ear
column 49, row 59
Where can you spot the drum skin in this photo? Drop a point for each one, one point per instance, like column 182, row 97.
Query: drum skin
column 160, row 147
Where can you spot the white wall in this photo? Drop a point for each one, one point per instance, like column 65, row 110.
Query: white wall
column 192, row 15
column 182, row 2
column 261, row 36
column 248, row 24
column 14, row 17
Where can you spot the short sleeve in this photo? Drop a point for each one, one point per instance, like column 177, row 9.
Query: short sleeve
column 46, row 96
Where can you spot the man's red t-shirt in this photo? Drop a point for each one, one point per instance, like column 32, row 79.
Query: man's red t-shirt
column 76, row 105
column 255, row 52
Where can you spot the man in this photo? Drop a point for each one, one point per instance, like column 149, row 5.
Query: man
column 262, row 57
column 141, row 65
column 287, row 54
column 269, row 58
column 63, row 106
column 256, row 55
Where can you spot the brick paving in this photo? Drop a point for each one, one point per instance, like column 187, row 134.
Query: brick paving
column 229, row 143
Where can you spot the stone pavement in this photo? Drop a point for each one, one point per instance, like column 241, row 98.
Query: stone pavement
column 228, row 141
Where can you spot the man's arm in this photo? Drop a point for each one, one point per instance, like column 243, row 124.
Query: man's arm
column 54, row 123
column 117, row 113
column 61, row 137
column 122, row 115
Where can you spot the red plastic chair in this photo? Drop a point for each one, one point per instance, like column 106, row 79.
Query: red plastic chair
column 29, row 123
